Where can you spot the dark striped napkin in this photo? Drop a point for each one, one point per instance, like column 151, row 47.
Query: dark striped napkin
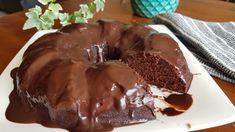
column 212, row 43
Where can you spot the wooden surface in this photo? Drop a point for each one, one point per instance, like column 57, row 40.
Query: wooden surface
column 12, row 37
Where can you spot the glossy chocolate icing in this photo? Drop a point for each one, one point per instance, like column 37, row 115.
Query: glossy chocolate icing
column 180, row 103
column 93, row 77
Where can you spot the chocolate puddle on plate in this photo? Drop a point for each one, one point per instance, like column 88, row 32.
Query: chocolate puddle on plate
column 180, row 103
column 19, row 110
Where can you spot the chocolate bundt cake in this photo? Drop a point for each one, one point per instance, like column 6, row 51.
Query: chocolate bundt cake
column 93, row 77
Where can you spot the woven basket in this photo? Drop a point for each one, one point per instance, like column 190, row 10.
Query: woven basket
column 150, row 8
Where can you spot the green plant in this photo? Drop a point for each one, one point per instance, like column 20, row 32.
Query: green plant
column 46, row 20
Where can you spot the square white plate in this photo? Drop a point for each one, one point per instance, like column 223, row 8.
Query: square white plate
column 210, row 107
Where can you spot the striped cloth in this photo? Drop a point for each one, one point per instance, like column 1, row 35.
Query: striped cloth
column 212, row 43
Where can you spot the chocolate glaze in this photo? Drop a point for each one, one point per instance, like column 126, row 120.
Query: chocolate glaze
column 170, row 111
column 93, row 77
column 81, row 103
column 179, row 103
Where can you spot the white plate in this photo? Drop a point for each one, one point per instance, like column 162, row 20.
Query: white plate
column 210, row 107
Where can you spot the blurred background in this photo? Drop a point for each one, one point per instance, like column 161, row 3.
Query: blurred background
column 11, row 6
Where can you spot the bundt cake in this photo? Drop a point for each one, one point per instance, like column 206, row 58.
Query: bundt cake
column 93, row 77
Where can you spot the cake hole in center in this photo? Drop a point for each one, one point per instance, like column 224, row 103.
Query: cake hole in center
column 101, row 53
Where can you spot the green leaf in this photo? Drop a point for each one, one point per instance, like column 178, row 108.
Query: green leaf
column 85, row 11
column 37, row 10
column 77, row 14
column 89, row 15
column 46, row 20
column 45, row 2
column 48, row 15
column 64, row 19
column 46, row 26
column 80, row 20
column 30, row 23
column 55, row 7
column 99, row 5
column 92, row 6
column 33, row 18
column 31, row 15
